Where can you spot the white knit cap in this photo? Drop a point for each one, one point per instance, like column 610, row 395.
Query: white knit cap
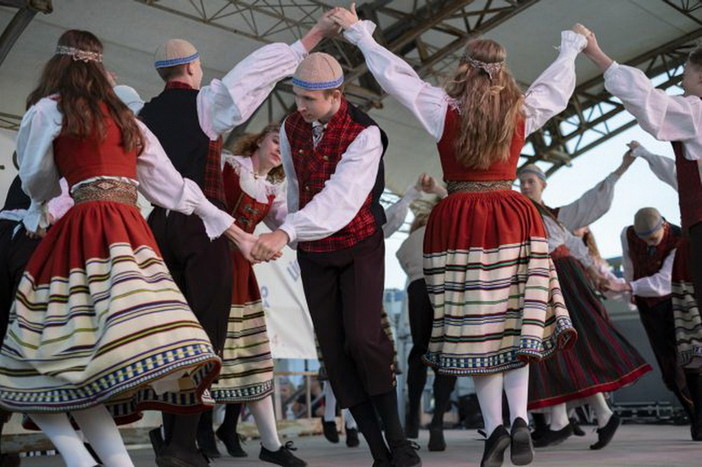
column 318, row 71
column 647, row 221
column 175, row 52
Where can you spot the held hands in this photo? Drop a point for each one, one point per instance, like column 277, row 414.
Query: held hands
column 326, row 25
column 633, row 145
column 618, row 286
column 345, row 18
column 429, row 184
column 627, row 160
column 269, row 245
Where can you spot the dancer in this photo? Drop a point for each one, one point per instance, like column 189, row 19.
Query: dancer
column 421, row 315
column 648, row 252
column 602, row 360
column 489, row 321
column 189, row 120
column 99, row 324
column 332, row 154
column 675, row 119
column 254, row 192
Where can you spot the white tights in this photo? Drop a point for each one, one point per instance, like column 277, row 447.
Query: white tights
column 264, row 416
column 99, row 429
column 515, row 383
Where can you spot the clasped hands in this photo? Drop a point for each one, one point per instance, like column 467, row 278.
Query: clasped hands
column 265, row 247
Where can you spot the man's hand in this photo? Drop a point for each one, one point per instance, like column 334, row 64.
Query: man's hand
column 619, row 286
column 269, row 245
column 345, row 18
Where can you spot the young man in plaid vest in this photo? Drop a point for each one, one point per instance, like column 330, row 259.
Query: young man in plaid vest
column 648, row 251
column 189, row 121
column 332, row 153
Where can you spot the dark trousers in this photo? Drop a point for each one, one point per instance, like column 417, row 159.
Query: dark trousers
column 15, row 252
column 201, row 268
column 421, row 315
column 659, row 324
column 344, row 292
column 695, row 260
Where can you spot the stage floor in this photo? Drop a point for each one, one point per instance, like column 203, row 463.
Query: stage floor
column 633, row 445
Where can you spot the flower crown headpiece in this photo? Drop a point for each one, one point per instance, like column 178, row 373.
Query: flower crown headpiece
column 79, row 54
column 489, row 68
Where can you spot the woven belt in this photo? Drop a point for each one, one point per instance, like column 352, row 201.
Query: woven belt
column 460, row 186
column 106, row 190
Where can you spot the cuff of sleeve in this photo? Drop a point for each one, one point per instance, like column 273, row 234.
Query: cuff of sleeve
column 299, row 50
column 634, row 288
column 362, row 31
column 290, row 230
column 572, row 42
column 216, row 221
column 37, row 217
column 611, row 71
column 613, row 177
column 640, row 152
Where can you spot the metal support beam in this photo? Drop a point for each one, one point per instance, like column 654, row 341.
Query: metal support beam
column 27, row 10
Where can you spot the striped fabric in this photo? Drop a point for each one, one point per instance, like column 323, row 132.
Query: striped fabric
column 495, row 293
column 247, row 364
column 104, row 332
column 688, row 321
column 602, row 360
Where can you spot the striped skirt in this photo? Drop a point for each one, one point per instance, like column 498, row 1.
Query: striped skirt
column 496, row 298
column 247, row 364
column 602, row 360
column 99, row 320
column 688, row 322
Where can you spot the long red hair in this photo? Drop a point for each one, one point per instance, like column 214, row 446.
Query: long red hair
column 82, row 86
column 490, row 106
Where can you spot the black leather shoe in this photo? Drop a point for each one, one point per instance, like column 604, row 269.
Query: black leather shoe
column 436, row 439
column 330, row 431
column 552, row 438
column 606, row 433
column 521, row 449
column 404, row 454
column 207, row 443
column 495, row 446
column 352, row 437
column 577, row 431
column 282, row 456
column 232, row 441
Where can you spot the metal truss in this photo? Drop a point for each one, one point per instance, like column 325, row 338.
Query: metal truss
column 593, row 115
column 9, row 121
column 429, row 34
column 27, row 9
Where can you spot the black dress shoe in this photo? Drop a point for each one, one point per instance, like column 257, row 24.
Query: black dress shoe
column 282, row 456
column 174, row 456
column 495, row 446
column 232, row 441
column 330, row 431
column 552, row 438
column 577, row 430
column 404, row 454
column 437, row 442
column 606, row 433
column 352, row 437
column 521, row 449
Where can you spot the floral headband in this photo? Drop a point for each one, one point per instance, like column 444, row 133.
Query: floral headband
column 79, row 54
column 489, row 68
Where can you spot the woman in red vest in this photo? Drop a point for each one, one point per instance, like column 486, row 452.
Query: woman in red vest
column 676, row 119
column 497, row 303
column 100, row 329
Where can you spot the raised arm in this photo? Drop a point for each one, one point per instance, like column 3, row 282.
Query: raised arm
column 549, row 94
column 595, row 202
column 426, row 102
column 662, row 167
column 226, row 103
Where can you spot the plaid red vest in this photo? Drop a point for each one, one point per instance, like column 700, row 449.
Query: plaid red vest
column 648, row 260
column 315, row 165
column 689, row 188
